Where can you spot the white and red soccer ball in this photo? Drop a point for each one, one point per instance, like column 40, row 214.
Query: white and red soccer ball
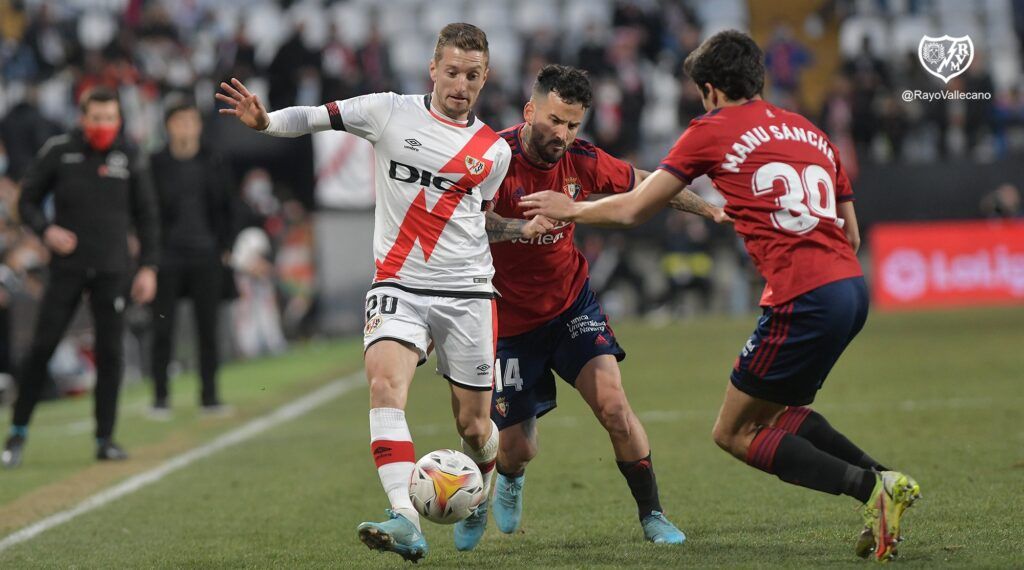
column 446, row 486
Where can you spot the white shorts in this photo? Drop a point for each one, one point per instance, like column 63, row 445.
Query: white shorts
column 463, row 331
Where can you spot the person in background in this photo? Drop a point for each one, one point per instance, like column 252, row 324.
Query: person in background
column 195, row 190
column 100, row 191
column 1004, row 202
column 256, row 316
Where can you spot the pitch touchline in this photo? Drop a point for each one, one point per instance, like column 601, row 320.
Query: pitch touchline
column 285, row 413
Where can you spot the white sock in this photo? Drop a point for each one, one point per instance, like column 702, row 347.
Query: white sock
column 392, row 449
column 485, row 457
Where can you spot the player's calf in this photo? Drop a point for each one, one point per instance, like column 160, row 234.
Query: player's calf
column 517, row 446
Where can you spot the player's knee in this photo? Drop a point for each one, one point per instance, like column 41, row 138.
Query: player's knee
column 723, row 437
column 615, row 416
column 474, row 430
column 385, row 391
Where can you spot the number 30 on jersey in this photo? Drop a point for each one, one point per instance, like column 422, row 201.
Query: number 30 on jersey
column 810, row 196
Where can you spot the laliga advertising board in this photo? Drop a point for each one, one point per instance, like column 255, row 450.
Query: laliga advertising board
column 948, row 264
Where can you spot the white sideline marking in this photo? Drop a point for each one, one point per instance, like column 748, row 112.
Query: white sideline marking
column 285, row 413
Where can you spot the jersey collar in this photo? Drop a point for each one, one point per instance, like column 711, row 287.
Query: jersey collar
column 446, row 120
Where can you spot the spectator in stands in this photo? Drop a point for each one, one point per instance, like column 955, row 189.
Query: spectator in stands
column 22, row 133
column 1008, row 112
column 1004, row 202
column 255, row 314
column 687, row 262
column 374, row 59
column 591, row 55
column 784, row 58
column 868, row 75
column 196, row 194
column 100, row 191
column 293, row 65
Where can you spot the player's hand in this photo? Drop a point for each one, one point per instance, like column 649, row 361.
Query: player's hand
column 538, row 226
column 719, row 216
column 62, row 241
column 144, row 286
column 550, row 204
column 244, row 105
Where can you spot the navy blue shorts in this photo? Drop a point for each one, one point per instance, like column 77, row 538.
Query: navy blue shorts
column 796, row 344
column 524, row 382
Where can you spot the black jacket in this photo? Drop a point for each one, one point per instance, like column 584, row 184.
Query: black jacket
column 100, row 196
column 220, row 204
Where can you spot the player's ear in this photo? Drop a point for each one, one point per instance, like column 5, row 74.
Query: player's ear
column 528, row 111
column 433, row 69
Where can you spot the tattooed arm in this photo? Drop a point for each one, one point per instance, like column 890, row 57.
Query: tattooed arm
column 688, row 201
column 508, row 229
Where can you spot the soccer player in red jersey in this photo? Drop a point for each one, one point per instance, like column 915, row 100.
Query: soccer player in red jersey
column 791, row 201
column 548, row 318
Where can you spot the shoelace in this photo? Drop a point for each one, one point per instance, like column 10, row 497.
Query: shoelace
column 513, row 490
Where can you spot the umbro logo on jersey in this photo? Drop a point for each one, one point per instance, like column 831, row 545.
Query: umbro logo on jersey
column 406, row 173
column 412, row 144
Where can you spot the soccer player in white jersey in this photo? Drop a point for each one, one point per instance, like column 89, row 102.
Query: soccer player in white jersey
column 436, row 166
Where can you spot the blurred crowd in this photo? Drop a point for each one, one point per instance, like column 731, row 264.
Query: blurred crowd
column 308, row 52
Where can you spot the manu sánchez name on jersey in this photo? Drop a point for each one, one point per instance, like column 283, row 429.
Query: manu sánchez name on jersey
column 757, row 136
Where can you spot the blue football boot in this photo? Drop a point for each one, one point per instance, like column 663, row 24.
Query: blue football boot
column 470, row 530
column 508, row 502
column 397, row 534
column 660, row 530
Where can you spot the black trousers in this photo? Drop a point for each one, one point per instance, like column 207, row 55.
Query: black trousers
column 200, row 280
column 107, row 300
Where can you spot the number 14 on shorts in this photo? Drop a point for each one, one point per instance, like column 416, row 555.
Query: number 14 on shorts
column 507, row 375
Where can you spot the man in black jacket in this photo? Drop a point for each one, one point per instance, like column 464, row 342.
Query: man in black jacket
column 100, row 192
column 197, row 214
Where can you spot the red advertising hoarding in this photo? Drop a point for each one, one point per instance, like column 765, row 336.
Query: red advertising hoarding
column 947, row 264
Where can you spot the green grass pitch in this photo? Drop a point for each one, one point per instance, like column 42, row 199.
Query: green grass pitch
column 938, row 395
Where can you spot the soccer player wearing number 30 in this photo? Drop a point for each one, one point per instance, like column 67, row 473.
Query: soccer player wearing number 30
column 791, row 201
column 436, row 165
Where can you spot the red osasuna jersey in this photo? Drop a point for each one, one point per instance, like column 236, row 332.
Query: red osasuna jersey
column 540, row 278
column 781, row 179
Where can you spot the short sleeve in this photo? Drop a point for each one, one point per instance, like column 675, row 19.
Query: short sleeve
column 502, row 157
column 694, row 154
column 612, row 175
column 364, row 116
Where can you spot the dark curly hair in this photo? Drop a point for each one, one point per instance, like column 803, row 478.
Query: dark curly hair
column 570, row 84
column 730, row 61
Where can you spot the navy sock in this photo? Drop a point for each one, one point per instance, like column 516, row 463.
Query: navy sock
column 795, row 460
column 19, row 430
column 812, row 426
column 639, row 476
column 508, row 475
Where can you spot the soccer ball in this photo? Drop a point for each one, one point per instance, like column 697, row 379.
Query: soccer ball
column 446, row 486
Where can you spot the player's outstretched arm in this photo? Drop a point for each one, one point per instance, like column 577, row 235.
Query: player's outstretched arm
column 288, row 122
column 507, row 229
column 688, row 201
column 849, row 217
column 619, row 211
